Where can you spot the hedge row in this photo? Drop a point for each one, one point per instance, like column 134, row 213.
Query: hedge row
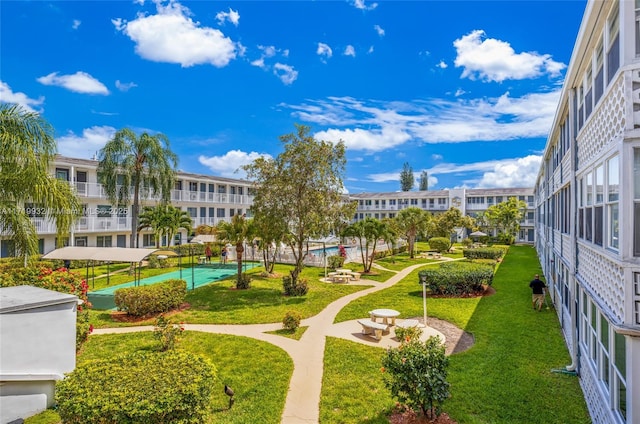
column 483, row 253
column 156, row 298
column 459, row 279
column 143, row 387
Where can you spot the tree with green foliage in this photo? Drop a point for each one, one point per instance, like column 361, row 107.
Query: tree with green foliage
column 412, row 222
column 151, row 217
column 174, row 220
column 424, row 181
column 306, row 180
column 367, row 231
column 143, row 164
column 27, row 189
column 236, row 232
column 444, row 224
column 407, row 180
column 506, row 216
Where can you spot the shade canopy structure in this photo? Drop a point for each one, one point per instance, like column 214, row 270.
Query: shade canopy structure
column 113, row 254
column 203, row 238
column 478, row 234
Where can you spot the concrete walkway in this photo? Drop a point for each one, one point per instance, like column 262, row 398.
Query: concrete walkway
column 302, row 404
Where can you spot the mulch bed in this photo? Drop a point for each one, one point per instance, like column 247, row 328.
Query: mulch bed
column 121, row 316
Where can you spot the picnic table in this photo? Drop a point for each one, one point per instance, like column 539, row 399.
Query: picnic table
column 385, row 314
column 343, row 275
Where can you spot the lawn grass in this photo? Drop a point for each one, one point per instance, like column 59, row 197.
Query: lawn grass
column 504, row 378
column 295, row 335
column 220, row 303
column 257, row 371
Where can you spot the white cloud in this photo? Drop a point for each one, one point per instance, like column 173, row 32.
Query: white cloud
column 259, row 63
column 85, row 146
column 232, row 16
column 80, row 82
column 494, row 60
column 125, row 86
column 360, row 4
column 324, row 51
column 286, row 73
column 379, row 30
column 520, row 172
column 436, row 156
column 229, row 164
column 9, row 96
column 375, row 126
column 172, row 36
column 442, row 64
column 459, row 92
column 370, row 50
column 349, row 51
column 76, row 24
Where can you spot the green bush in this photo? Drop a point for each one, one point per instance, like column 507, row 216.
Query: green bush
column 291, row 288
column 483, row 253
column 439, row 244
column 154, row 262
column 335, row 262
column 156, row 298
column 408, row 333
column 504, row 238
column 167, row 333
column 244, row 282
column 458, row 279
column 416, row 375
column 142, row 387
column 291, row 321
column 466, row 242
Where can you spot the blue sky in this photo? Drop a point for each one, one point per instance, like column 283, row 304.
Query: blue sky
column 465, row 90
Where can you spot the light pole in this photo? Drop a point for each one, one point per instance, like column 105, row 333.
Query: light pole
column 423, row 281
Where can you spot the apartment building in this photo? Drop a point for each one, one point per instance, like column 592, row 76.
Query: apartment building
column 588, row 210
column 207, row 199
column 470, row 202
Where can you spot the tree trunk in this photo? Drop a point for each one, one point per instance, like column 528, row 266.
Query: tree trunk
column 239, row 250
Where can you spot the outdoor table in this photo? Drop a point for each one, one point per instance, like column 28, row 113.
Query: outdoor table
column 385, row 314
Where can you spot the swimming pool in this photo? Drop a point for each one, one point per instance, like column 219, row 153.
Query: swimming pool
column 199, row 275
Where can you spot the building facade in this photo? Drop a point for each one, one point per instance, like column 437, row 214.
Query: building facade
column 207, row 199
column 471, row 202
column 587, row 193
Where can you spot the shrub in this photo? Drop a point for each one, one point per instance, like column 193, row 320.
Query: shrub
column 416, row 375
column 439, row 244
column 505, row 238
column 291, row 288
column 291, row 321
column 466, row 242
column 143, row 387
column 145, row 300
column 483, row 253
column 457, row 279
column 154, row 262
column 244, row 281
column 408, row 333
column 167, row 333
column 335, row 261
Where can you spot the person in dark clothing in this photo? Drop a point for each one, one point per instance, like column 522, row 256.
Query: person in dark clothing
column 537, row 286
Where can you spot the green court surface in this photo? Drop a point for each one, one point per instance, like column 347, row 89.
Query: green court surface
column 195, row 277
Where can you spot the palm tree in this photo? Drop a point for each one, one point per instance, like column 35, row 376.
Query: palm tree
column 27, row 147
column 236, row 232
column 151, row 217
column 174, row 219
column 144, row 165
column 367, row 231
column 412, row 222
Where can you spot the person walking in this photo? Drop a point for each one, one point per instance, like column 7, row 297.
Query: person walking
column 207, row 253
column 537, row 287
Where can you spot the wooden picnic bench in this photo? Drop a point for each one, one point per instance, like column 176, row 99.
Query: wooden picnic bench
column 373, row 329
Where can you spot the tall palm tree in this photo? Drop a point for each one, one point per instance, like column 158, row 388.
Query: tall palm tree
column 367, row 231
column 151, row 217
column 236, row 232
column 27, row 147
column 412, row 222
column 145, row 165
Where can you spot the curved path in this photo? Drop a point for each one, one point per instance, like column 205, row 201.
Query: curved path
column 302, row 404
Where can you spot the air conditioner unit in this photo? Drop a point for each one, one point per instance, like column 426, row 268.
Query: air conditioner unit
column 106, row 224
column 194, row 196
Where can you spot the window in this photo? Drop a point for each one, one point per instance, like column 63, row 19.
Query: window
column 220, row 213
column 222, row 189
column 177, row 185
column 598, row 83
column 104, row 211
column 414, row 202
column 636, row 202
column 203, row 212
column 619, row 374
column 613, row 189
column 193, row 212
column 81, row 241
column 105, row 241
column 589, row 188
column 637, row 27
column 588, row 95
column 62, row 174
column 148, row 240
column 588, row 223
column 580, row 106
column 613, row 52
column 193, row 186
column 442, row 201
column 599, row 185
column 203, row 187
column 392, row 202
column 604, row 351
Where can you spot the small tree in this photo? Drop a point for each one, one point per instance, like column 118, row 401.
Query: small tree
column 424, row 181
column 416, row 374
column 412, row 222
column 407, row 180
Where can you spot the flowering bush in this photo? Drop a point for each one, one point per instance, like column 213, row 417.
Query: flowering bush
column 291, row 321
column 416, row 374
column 167, row 333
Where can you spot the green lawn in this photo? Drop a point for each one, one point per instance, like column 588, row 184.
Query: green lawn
column 257, row 371
column 504, row 378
